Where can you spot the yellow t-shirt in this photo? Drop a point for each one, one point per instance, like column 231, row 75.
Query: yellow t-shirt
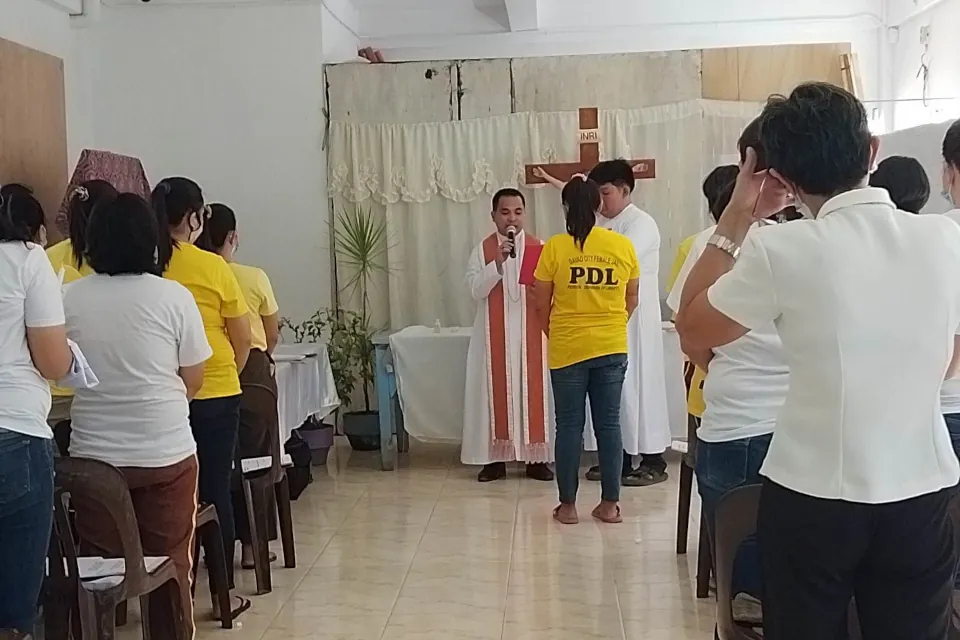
column 589, row 314
column 682, row 252
column 695, row 404
column 218, row 295
column 61, row 257
column 258, row 294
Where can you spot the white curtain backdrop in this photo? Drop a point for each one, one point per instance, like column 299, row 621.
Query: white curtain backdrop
column 433, row 182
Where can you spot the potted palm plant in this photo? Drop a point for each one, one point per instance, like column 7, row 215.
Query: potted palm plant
column 360, row 250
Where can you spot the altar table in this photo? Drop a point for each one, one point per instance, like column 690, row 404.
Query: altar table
column 425, row 369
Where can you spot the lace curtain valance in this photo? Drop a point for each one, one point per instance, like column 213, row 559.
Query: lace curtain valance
column 461, row 161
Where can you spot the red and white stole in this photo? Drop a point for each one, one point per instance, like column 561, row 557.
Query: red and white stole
column 505, row 427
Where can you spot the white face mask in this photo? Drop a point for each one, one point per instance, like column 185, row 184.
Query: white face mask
column 948, row 197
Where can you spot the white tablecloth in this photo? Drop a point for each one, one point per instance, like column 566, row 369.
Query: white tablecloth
column 431, row 377
column 304, row 387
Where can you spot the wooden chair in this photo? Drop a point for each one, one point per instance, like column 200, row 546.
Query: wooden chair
column 208, row 529
column 98, row 600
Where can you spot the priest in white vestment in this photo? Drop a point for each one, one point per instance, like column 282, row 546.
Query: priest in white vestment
column 508, row 408
column 644, row 416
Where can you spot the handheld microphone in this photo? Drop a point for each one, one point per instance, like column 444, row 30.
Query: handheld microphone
column 511, row 236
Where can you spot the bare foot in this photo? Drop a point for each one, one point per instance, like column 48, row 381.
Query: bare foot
column 566, row 514
column 608, row 512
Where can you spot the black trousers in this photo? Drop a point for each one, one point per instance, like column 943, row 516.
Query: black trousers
column 214, row 423
column 897, row 560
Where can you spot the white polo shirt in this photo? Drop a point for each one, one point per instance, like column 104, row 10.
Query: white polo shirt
column 866, row 300
column 747, row 379
column 950, row 392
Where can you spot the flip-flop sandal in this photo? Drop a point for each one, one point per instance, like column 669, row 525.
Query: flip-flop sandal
column 645, row 477
column 242, row 608
column 615, row 520
column 247, row 566
column 564, row 520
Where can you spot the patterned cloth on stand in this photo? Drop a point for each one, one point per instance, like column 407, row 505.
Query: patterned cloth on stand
column 125, row 173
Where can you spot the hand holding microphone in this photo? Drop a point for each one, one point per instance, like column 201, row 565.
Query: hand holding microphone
column 507, row 247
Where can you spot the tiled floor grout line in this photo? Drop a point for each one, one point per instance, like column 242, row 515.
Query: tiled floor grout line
column 406, row 574
column 314, row 564
column 513, row 541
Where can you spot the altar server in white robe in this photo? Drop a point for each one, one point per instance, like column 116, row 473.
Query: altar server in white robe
column 644, row 416
column 508, row 407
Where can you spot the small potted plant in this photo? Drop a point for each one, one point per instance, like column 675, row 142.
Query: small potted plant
column 316, row 434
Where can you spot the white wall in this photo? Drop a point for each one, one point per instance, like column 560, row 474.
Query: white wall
column 40, row 26
column 232, row 97
column 457, row 31
column 339, row 36
column 943, row 88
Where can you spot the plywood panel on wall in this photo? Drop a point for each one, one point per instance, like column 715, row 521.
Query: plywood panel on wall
column 623, row 81
column 33, row 123
column 751, row 74
column 392, row 93
column 486, row 88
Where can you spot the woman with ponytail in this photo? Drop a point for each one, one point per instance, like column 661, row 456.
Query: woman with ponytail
column 69, row 258
column 259, row 423
column 587, row 288
column 215, row 410
column 69, row 255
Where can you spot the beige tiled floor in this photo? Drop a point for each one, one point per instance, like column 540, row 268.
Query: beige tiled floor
column 426, row 553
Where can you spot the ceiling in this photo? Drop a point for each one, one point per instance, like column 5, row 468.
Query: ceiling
column 409, row 29
column 385, row 18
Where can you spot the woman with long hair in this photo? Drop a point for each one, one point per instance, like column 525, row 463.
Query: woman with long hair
column 68, row 258
column 144, row 337
column 69, row 254
column 215, row 410
column 259, row 423
column 587, row 288
column 33, row 348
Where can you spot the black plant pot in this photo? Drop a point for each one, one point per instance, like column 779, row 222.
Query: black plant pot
column 362, row 429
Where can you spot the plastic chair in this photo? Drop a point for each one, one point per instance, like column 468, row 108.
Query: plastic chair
column 208, row 528
column 104, row 485
column 261, row 486
column 687, row 465
column 736, row 519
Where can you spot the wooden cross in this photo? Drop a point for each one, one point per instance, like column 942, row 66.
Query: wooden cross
column 589, row 137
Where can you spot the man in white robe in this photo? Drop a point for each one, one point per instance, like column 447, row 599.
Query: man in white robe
column 644, row 416
column 508, row 408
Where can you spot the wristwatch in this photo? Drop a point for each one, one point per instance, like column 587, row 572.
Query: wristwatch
column 725, row 244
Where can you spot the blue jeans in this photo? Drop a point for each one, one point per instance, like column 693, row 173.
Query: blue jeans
column 26, row 516
column 602, row 380
column 722, row 467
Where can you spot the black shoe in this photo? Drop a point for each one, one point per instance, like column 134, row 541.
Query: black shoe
column 593, row 474
column 541, row 472
column 492, row 472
